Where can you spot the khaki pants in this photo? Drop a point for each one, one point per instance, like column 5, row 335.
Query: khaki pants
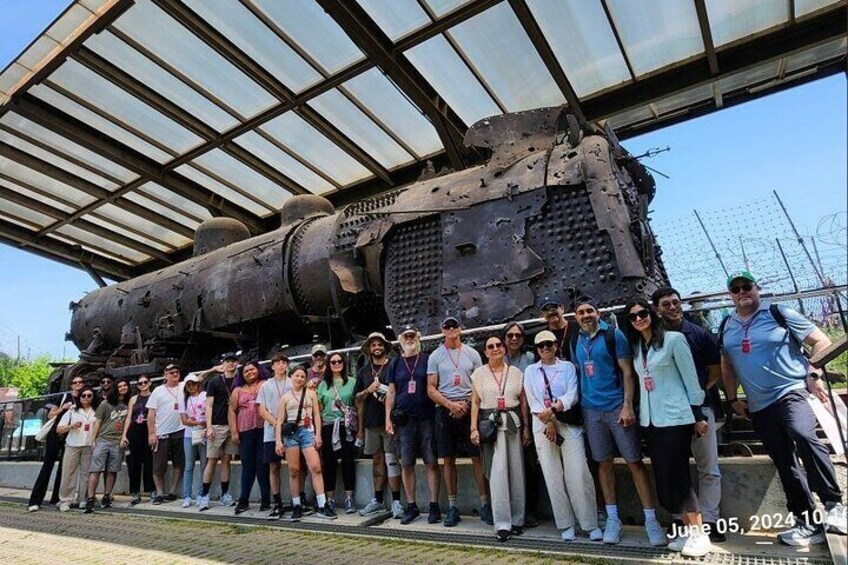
column 75, row 462
column 506, row 481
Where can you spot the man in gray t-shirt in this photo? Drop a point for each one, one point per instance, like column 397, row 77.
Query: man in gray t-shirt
column 268, row 401
column 449, row 371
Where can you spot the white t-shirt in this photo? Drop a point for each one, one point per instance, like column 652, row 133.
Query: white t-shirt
column 193, row 407
column 81, row 436
column 166, row 402
column 269, row 396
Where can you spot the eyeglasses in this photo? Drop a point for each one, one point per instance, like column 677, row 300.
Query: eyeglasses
column 450, row 326
column 669, row 303
column 545, row 344
column 493, row 346
column 142, row 383
column 737, row 288
column 640, row 315
column 87, row 395
column 105, row 382
column 336, row 362
column 514, row 336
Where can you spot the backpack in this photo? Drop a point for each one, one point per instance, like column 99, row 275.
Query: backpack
column 778, row 316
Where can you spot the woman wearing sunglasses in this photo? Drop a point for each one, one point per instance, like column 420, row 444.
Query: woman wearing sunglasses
column 336, row 393
column 78, row 423
column 670, row 413
column 497, row 397
column 140, row 458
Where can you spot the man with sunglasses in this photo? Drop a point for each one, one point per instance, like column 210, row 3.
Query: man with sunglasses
column 766, row 356
column 219, row 385
column 105, row 387
column 449, row 371
column 607, row 389
column 165, row 431
column 707, row 359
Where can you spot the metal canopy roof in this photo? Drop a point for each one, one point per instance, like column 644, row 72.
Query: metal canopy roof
column 127, row 123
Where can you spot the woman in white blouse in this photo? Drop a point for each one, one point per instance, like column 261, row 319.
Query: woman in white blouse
column 78, row 424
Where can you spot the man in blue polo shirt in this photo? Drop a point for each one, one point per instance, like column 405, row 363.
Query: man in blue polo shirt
column 607, row 387
column 766, row 356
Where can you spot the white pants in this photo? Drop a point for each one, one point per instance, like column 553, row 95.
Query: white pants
column 570, row 485
column 506, row 481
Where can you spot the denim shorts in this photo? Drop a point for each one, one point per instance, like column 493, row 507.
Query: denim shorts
column 302, row 438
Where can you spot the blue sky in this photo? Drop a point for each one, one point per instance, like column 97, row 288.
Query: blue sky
column 793, row 142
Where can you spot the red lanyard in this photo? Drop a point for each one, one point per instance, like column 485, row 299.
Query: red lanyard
column 501, row 381
column 458, row 355
column 747, row 325
column 174, row 394
column 587, row 350
column 415, row 366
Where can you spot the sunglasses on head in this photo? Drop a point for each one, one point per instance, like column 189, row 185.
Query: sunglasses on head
column 737, row 288
column 515, row 335
column 545, row 344
column 493, row 346
column 639, row 315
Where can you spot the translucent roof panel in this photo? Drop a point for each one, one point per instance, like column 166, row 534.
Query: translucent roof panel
column 804, row 7
column 382, row 98
column 222, row 190
column 84, row 114
column 18, row 221
column 396, row 17
column 448, row 74
column 67, row 147
column 177, row 47
column 143, row 225
column 283, row 162
column 54, row 159
column 120, row 230
column 42, row 182
column 238, row 174
column 290, row 130
column 683, row 99
column 10, row 77
column 131, row 61
column 22, row 212
column 656, row 34
column 257, row 41
column 502, row 53
column 313, row 30
column 60, row 205
column 583, row 43
column 750, row 76
column 164, row 211
column 173, row 201
column 343, row 114
column 731, row 20
column 442, row 7
column 803, row 59
column 96, row 242
column 630, row 117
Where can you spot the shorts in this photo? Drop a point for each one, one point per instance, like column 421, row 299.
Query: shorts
column 377, row 439
column 269, row 453
column 416, row 440
column 220, row 445
column 107, row 457
column 303, row 438
column 453, row 436
column 170, row 447
column 605, row 434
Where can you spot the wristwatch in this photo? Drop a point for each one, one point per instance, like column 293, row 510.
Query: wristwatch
column 815, row 375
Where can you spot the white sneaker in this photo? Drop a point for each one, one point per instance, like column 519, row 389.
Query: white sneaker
column 397, row 509
column 64, row 507
column 677, row 543
column 373, row 507
column 568, row 535
column 596, row 535
column 656, row 535
column 697, row 545
column 34, row 508
column 836, row 520
column 227, row 500
column 802, row 535
column 612, row 533
column 187, row 502
column 203, row 503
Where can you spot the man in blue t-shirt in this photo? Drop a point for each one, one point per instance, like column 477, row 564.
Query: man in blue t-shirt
column 766, row 357
column 607, row 388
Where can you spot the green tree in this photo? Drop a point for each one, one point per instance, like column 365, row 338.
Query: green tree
column 30, row 377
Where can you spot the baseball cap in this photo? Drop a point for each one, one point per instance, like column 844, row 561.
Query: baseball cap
column 584, row 299
column 451, row 321
column 544, row 336
column 171, row 367
column 319, row 348
column 741, row 275
column 408, row 329
column 551, row 303
column 229, row 355
column 192, row 378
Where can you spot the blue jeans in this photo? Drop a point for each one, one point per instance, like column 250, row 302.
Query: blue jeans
column 192, row 452
column 251, row 447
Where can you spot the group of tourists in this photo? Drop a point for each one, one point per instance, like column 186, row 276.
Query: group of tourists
column 557, row 407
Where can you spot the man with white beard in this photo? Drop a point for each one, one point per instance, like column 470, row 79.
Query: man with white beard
column 409, row 417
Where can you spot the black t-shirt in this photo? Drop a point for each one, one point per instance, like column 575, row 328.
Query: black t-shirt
column 563, row 339
column 374, row 411
column 219, row 388
column 415, row 403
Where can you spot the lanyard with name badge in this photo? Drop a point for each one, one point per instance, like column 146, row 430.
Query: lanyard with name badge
column 746, row 341
column 176, row 402
column 411, row 387
column 457, row 378
column 501, row 382
column 647, row 380
column 588, row 364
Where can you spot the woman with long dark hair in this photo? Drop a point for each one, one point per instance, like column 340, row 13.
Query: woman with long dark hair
column 669, row 413
column 336, row 395
column 140, row 459
column 246, row 427
column 107, row 455
column 77, row 423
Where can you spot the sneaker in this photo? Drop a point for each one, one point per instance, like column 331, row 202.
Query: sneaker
column 531, row 522
column 64, row 507
column 89, row 506
column 158, row 499
column 327, row 513
column 241, row 507
column 568, row 534
column 152, row 495
column 75, row 505
column 397, row 509
column 34, row 508
column 373, row 507
column 170, row 497
column 106, row 501
column 596, row 535
column 331, row 502
column 836, row 520
column 612, row 533
column 452, row 518
column 517, row 530
column 697, row 545
column 136, row 499
column 186, row 502
column 486, row 515
column 656, row 536
column 677, row 543
column 715, row 535
column 264, row 506
column 350, row 507
column 226, row 500
column 297, row 513
column 503, row 535
column 203, row 503
column 435, row 514
column 277, row 512
column 412, row 513
column 802, row 535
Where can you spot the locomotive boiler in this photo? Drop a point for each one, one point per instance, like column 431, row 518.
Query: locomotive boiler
column 559, row 208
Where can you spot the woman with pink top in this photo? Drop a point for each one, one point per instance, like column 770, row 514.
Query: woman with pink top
column 246, row 430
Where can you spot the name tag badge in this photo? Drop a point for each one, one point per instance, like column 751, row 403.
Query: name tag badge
column 176, row 406
column 119, row 426
column 746, row 345
column 140, row 419
column 457, row 379
column 649, row 383
column 86, row 428
column 410, row 388
column 547, row 403
column 307, row 422
column 589, row 368
column 501, row 403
